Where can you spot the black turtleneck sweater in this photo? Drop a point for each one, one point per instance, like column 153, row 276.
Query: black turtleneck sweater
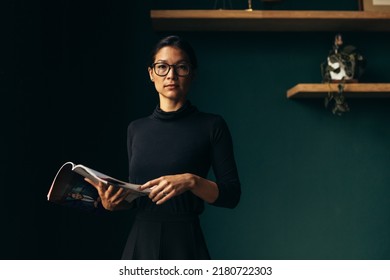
column 183, row 141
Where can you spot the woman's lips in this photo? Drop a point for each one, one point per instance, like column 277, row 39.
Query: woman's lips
column 171, row 86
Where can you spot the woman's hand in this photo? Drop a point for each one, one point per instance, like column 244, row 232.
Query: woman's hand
column 166, row 187
column 112, row 198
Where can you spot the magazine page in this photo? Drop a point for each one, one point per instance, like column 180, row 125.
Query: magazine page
column 70, row 189
column 96, row 175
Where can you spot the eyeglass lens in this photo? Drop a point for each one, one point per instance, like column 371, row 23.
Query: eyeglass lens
column 162, row 69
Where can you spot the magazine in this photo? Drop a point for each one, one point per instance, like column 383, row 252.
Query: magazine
column 69, row 187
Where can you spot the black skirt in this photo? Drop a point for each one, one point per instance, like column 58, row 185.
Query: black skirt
column 160, row 236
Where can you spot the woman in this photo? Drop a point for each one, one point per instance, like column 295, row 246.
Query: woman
column 171, row 152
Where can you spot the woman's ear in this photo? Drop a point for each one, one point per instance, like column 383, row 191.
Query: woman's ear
column 150, row 70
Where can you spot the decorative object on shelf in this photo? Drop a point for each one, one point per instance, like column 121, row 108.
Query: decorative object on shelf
column 340, row 106
column 249, row 6
column 375, row 5
column 344, row 64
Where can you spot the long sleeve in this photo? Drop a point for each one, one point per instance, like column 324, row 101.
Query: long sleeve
column 224, row 166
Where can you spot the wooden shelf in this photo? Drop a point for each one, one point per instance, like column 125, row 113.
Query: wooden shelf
column 358, row 90
column 241, row 20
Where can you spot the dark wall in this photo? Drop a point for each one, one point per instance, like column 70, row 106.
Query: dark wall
column 315, row 185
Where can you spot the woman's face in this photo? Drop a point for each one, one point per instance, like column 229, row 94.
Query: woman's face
column 173, row 86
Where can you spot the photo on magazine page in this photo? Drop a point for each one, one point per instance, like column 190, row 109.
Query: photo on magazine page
column 70, row 189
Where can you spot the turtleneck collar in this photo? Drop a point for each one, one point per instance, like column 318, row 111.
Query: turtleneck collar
column 183, row 111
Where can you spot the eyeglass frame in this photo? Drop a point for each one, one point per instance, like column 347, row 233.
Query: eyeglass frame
column 172, row 66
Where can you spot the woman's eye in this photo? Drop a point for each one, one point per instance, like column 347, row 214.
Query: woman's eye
column 182, row 67
column 161, row 66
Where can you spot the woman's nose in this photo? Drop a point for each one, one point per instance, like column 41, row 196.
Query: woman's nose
column 172, row 73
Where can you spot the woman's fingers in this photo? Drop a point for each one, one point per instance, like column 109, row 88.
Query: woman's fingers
column 96, row 185
column 163, row 196
column 99, row 186
column 166, row 187
column 163, row 188
column 159, row 188
column 110, row 195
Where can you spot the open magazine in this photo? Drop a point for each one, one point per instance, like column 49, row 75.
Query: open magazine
column 69, row 187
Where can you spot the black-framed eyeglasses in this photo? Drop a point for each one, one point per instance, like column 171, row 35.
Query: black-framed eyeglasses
column 162, row 69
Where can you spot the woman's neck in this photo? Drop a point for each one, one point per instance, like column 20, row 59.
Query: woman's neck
column 171, row 105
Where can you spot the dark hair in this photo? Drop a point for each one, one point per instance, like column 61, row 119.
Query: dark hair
column 177, row 42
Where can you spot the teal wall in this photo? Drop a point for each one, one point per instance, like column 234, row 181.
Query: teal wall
column 315, row 185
